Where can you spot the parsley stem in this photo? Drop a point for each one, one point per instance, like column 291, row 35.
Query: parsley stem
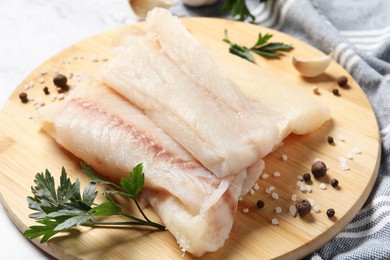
column 139, row 222
column 142, row 212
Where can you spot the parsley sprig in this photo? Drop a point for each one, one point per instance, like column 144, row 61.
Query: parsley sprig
column 261, row 47
column 239, row 9
column 63, row 208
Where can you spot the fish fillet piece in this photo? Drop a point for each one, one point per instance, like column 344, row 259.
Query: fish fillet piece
column 294, row 111
column 111, row 135
column 226, row 126
column 226, row 137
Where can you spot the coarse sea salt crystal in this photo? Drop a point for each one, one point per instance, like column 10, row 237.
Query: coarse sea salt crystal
column 95, row 58
column 284, row 157
column 323, row 186
column 349, row 156
column 308, row 188
column 293, row 210
column 252, row 191
column 271, row 188
column 340, row 137
column 256, row 186
column 300, row 177
column 41, row 80
column 275, row 195
column 278, row 210
column 312, row 202
column 344, row 163
column 267, row 190
column 316, row 208
column 42, row 72
column 61, row 96
column 294, row 197
column 275, row 221
column 276, row 174
column 245, row 210
column 264, row 176
column 356, row 150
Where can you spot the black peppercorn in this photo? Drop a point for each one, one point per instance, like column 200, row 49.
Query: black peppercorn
column 23, row 97
column 303, row 207
column 307, row 177
column 46, row 90
column 336, row 92
column 260, row 204
column 334, row 183
column 61, row 81
column 330, row 140
column 318, row 169
column 342, row 81
column 330, row 213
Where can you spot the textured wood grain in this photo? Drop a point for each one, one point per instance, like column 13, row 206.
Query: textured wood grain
column 25, row 150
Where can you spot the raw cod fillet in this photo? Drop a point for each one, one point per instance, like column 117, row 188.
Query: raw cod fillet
column 111, row 135
column 226, row 137
column 169, row 75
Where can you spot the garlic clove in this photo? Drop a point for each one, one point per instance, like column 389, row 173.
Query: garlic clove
column 312, row 67
column 142, row 7
column 199, row 2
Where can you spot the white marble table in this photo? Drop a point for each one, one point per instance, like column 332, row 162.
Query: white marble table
column 33, row 31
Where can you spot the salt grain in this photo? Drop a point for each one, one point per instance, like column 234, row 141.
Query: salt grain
column 294, row 197
column 300, row 177
column 53, row 97
column 252, row 191
column 271, row 188
column 42, row 72
column 275, row 221
column 317, row 208
column 256, row 186
column 41, row 80
column 293, row 210
column 312, row 202
column 308, row 188
column 61, row 96
column 55, row 71
column 274, row 195
column 245, row 210
column 340, row 138
column 267, row 190
column 240, row 198
column 276, row 174
column 278, row 210
column 323, row 186
column 94, row 58
column 344, row 163
column 284, row 157
column 349, row 156
column 356, row 150
column 264, row 176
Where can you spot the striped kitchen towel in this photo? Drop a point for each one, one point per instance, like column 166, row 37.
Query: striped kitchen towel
column 359, row 34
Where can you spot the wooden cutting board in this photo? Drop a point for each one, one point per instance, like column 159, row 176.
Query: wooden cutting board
column 25, row 150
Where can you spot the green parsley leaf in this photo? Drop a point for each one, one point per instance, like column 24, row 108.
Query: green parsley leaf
column 107, row 208
column 63, row 208
column 134, row 184
column 261, row 47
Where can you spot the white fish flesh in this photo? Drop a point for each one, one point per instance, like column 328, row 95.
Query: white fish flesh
column 111, row 135
column 179, row 86
column 223, row 132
